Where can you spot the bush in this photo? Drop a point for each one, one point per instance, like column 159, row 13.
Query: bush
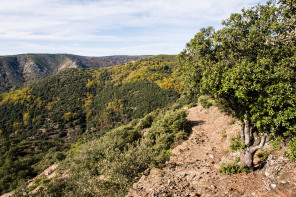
column 107, row 166
column 233, row 168
column 292, row 153
column 146, row 122
column 205, row 101
column 237, row 144
column 263, row 155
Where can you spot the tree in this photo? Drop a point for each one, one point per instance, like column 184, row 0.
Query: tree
column 248, row 69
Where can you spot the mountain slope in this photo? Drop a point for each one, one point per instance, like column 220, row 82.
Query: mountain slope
column 19, row 70
column 40, row 122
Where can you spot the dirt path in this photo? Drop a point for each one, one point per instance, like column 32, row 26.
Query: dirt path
column 193, row 169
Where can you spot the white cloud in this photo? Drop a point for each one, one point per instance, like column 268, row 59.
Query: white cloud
column 160, row 21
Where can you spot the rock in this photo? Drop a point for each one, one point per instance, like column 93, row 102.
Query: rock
column 155, row 171
column 7, row 194
column 146, row 172
column 273, row 185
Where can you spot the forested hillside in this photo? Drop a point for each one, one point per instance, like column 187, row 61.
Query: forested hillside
column 38, row 120
column 19, row 70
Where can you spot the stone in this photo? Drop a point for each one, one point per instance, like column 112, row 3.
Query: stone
column 155, row 171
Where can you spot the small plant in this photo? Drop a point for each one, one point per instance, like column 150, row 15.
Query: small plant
column 233, row 168
column 292, row 146
column 39, row 182
column 231, row 122
column 205, row 101
column 276, row 144
column 237, row 144
column 224, row 134
column 263, row 155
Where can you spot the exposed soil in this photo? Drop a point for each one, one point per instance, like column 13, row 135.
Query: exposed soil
column 193, row 169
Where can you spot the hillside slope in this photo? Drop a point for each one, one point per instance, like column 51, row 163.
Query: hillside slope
column 19, row 70
column 39, row 123
column 193, row 169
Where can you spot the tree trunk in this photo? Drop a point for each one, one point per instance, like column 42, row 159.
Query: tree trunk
column 243, row 131
column 248, row 134
column 250, row 152
column 248, row 159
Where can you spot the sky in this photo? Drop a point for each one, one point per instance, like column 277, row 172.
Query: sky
column 108, row 27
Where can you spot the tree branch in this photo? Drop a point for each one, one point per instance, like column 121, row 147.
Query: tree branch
column 262, row 142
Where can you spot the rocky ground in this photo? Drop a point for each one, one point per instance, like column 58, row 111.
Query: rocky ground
column 193, row 169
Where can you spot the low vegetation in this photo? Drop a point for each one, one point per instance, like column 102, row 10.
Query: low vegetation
column 108, row 166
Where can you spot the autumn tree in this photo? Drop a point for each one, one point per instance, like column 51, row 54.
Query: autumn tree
column 249, row 68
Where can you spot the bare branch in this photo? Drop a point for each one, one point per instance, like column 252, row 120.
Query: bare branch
column 262, row 142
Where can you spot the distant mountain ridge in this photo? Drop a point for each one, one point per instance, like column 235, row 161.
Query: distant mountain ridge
column 19, row 70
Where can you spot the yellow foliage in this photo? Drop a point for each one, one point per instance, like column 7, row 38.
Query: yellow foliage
column 1, row 133
column 162, row 73
column 26, row 118
column 17, row 96
column 115, row 105
column 69, row 116
column 90, row 83
column 17, row 125
column 170, row 83
column 50, row 104
column 87, row 104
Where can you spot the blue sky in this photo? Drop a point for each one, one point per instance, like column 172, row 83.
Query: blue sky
column 108, row 27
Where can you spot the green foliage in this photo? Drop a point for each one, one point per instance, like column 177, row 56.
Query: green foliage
column 137, row 99
column 292, row 153
column 80, row 101
column 237, row 144
column 147, row 121
column 161, row 58
column 205, row 101
column 107, row 166
column 231, row 122
column 233, row 168
column 20, row 161
column 263, row 154
column 224, row 134
column 44, row 65
column 38, row 182
column 248, row 66
column 276, row 142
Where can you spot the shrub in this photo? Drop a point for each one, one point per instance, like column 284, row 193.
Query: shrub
column 224, row 134
column 107, row 166
column 205, row 101
column 263, row 155
column 146, row 122
column 237, row 144
column 292, row 153
column 232, row 168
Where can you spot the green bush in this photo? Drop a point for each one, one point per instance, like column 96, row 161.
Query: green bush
column 205, row 101
column 237, row 144
column 107, row 166
column 292, row 152
column 263, row 155
column 147, row 121
column 233, row 168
